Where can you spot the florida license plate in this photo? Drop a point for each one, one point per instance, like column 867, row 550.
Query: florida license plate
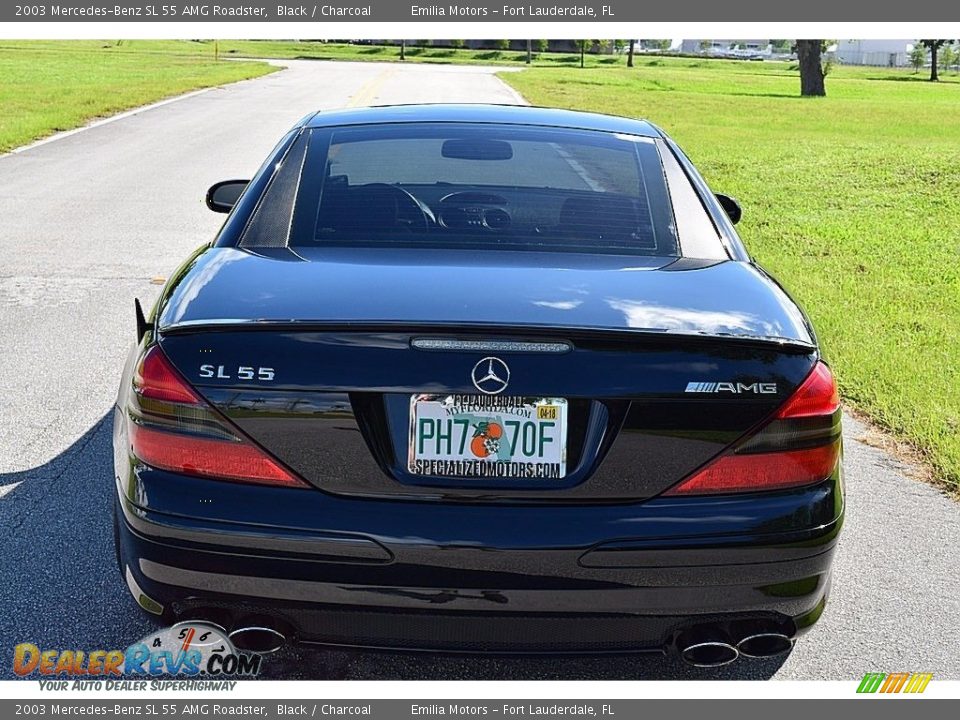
column 484, row 436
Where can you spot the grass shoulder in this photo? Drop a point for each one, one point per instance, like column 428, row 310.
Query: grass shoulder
column 51, row 86
column 852, row 200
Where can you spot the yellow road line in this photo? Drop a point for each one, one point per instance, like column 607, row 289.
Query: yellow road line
column 369, row 90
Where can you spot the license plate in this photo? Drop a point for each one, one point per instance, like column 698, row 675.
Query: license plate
column 482, row 436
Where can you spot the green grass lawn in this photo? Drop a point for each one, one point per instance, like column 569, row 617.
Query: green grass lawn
column 46, row 87
column 852, row 200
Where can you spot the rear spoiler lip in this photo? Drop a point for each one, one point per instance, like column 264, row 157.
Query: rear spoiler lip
column 554, row 331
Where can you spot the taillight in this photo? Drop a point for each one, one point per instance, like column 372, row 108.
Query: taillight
column 172, row 428
column 799, row 445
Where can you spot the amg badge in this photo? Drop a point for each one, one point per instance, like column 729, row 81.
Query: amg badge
column 767, row 388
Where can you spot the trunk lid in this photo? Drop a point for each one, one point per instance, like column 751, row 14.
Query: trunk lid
column 315, row 360
column 464, row 288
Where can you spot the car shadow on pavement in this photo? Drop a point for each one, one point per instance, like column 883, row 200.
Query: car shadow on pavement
column 59, row 588
column 59, row 585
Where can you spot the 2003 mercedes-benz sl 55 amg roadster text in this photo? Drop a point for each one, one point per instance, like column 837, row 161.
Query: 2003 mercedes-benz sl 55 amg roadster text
column 485, row 379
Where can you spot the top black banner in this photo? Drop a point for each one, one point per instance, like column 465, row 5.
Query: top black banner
column 633, row 11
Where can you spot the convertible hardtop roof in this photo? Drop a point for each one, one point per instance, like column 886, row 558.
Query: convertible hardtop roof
column 477, row 113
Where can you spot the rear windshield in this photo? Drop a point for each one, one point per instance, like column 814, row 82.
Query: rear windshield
column 456, row 185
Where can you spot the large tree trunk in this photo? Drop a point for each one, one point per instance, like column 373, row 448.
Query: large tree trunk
column 630, row 54
column 933, row 63
column 811, row 73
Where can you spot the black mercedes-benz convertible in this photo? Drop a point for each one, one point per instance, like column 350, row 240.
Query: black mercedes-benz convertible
column 476, row 378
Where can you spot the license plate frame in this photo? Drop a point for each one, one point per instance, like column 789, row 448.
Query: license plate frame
column 530, row 445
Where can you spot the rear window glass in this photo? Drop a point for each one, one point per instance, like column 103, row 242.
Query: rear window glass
column 479, row 186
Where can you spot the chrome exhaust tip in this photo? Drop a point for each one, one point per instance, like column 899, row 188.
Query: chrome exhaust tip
column 258, row 639
column 706, row 647
column 765, row 645
column 710, row 653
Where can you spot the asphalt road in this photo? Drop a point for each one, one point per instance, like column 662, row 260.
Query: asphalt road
column 90, row 221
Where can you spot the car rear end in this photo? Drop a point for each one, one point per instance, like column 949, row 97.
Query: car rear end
column 465, row 445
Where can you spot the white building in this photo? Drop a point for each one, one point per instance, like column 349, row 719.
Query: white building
column 880, row 53
column 727, row 48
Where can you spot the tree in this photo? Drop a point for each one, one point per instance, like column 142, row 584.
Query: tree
column 705, row 45
column 457, row 44
column 811, row 71
column 619, row 46
column 933, row 46
column 630, row 53
column 543, row 46
column 403, row 49
column 656, row 44
column 600, row 46
column 503, row 44
column 918, row 56
column 529, row 51
column 583, row 45
column 947, row 57
column 781, row 46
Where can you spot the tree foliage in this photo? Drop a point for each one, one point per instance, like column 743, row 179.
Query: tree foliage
column 656, row 44
column 918, row 56
column 948, row 56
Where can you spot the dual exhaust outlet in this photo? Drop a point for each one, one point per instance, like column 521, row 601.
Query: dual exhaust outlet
column 705, row 649
column 713, row 646
column 702, row 646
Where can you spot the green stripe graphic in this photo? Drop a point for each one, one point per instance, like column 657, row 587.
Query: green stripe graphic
column 871, row 682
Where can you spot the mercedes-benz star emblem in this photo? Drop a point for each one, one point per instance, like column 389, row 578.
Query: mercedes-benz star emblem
column 491, row 375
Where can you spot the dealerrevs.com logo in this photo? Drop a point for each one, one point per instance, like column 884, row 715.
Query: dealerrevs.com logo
column 187, row 649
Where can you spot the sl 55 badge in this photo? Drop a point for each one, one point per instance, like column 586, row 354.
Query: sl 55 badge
column 242, row 372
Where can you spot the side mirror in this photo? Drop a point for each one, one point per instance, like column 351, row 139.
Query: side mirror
column 222, row 196
column 731, row 206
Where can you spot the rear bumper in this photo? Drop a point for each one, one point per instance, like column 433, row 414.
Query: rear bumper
column 482, row 577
